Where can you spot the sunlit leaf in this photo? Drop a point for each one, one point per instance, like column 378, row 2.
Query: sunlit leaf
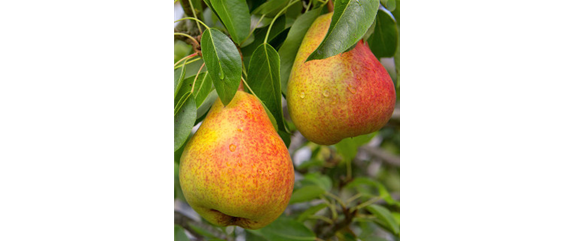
column 289, row 49
column 223, row 63
column 383, row 42
column 184, row 121
column 235, row 16
column 264, row 80
column 351, row 20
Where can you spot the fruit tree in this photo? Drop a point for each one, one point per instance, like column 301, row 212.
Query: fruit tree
column 286, row 117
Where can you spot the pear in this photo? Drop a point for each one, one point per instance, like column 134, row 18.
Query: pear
column 236, row 170
column 346, row 95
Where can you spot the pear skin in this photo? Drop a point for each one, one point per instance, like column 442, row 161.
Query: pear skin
column 346, row 95
column 236, row 170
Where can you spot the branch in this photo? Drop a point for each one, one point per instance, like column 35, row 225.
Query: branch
column 386, row 156
column 182, row 220
column 327, row 233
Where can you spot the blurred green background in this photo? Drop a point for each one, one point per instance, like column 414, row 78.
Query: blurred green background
column 487, row 119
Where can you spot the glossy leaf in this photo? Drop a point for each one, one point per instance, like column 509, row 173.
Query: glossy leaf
column 223, row 63
column 383, row 42
column 205, row 106
column 286, row 229
column 179, row 76
column 265, row 81
column 306, row 193
column 310, row 211
column 351, row 20
column 235, row 16
column 203, row 86
column 271, row 7
column 385, row 217
column 184, row 121
column 271, row 118
column 290, row 47
column 295, row 10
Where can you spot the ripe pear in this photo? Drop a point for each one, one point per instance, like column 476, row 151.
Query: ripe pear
column 236, row 170
column 346, row 95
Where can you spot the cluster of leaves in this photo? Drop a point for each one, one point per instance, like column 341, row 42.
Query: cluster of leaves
column 225, row 42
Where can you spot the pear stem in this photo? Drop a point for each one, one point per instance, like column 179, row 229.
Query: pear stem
column 330, row 6
column 196, row 75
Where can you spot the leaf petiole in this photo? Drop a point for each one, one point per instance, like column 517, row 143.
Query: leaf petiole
column 275, row 18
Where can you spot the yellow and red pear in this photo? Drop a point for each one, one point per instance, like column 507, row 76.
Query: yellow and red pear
column 236, row 170
column 346, row 95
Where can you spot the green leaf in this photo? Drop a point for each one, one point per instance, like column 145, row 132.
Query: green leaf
column 179, row 233
column 264, row 80
column 205, row 106
column 383, row 42
column 223, row 63
column 184, row 121
column 351, row 20
column 285, row 229
column 385, row 217
column 320, row 180
column 203, row 87
column 348, row 147
column 295, row 10
column 397, row 217
column 290, row 47
column 179, row 76
column 254, row 235
column 383, row 193
column 235, row 16
column 271, row 7
column 306, row 193
column 391, row 5
column 310, row 211
column 310, row 163
column 255, row 23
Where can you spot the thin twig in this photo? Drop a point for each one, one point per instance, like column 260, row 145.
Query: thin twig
column 386, row 156
column 196, row 75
